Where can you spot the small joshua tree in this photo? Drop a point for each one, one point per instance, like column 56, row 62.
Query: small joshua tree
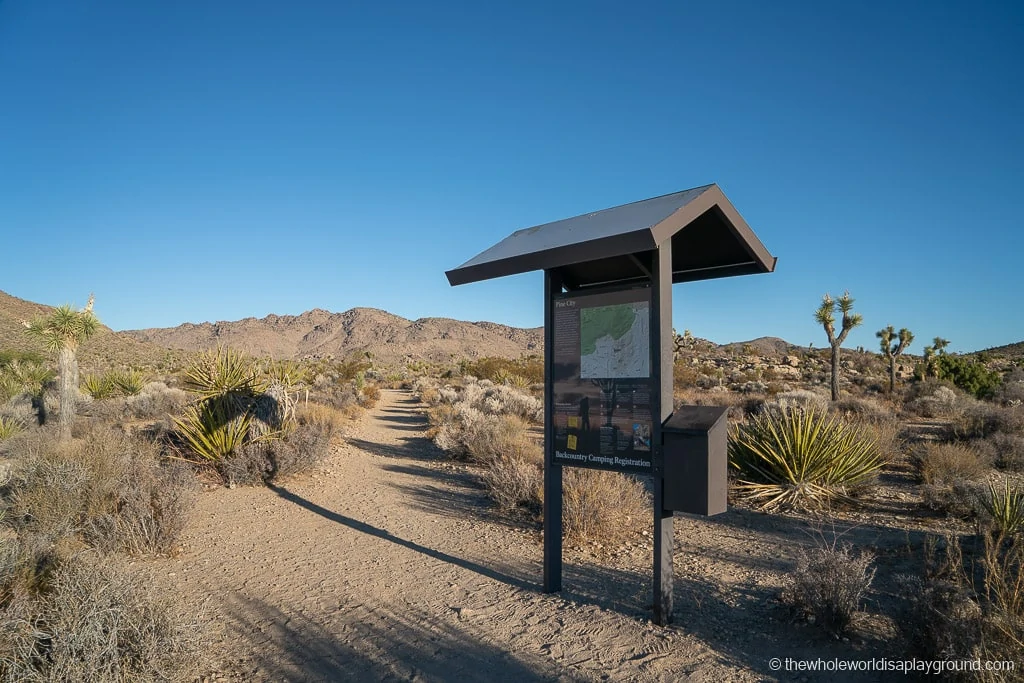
column 893, row 346
column 63, row 331
column 937, row 347
column 826, row 316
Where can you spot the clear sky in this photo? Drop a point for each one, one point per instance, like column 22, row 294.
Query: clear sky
column 194, row 160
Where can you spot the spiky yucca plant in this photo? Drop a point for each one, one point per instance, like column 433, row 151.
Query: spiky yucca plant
column 212, row 432
column 800, row 459
column 63, row 330
column 1006, row 507
column 129, row 381
column 98, row 386
column 8, row 427
column 221, row 374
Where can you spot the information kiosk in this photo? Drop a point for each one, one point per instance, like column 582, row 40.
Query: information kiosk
column 608, row 352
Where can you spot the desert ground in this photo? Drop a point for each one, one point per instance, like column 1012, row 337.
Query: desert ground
column 389, row 562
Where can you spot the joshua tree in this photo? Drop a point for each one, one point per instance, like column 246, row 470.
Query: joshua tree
column 826, row 316
column 893, row 346
column 937, row 347
column 62, row 331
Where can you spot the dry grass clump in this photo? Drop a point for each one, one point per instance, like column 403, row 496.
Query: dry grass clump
column 97, row 623
column 802, row 399
column 602, row 507
column 967, row 607
column 980, row 419
column 1007, row 450
column 950, row 473
column 828, row 584
column 864, row 409
column 516, row 482
column 933, row 400
column 108, row 488
column 369, row 396
column 156, row 400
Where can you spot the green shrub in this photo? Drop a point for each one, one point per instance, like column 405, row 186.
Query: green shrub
column 970, row 376
column 529, row 368
column 800, row 459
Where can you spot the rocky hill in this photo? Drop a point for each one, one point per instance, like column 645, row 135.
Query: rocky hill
column 105, row 349
column 319, row 334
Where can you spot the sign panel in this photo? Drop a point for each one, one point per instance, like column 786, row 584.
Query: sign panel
column 602, row 380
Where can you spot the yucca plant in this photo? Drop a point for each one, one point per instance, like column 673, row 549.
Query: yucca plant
column 129, row 381
column 800, row 459
column 212, row 432
column 222, row 373
column 32, row 376
column 285, row 373
column 1006, row 507
column 98, row 386
column 8, row 427
column 9, row 386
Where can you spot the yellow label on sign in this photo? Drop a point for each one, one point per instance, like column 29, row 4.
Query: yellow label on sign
column 574, row 421
column 572, row 442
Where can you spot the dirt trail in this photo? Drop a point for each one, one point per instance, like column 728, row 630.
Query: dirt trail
column 388, row 563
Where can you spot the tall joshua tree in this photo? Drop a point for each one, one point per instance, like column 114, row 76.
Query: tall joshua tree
column 826, row 316
column 893, row 345
column 63, row 331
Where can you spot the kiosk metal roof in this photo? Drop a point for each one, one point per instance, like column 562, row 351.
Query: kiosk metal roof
column 709, row 240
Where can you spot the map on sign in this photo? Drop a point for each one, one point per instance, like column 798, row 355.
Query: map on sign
column 615, row 341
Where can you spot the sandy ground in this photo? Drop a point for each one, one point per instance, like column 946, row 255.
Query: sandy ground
column 389, row 563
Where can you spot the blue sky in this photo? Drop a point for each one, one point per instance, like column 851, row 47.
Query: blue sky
column 192, row 161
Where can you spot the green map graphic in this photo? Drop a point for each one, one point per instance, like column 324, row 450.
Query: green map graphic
column 604, row 321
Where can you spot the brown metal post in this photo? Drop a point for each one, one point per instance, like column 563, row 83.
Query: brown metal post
column 552, row 469
column 661, row 408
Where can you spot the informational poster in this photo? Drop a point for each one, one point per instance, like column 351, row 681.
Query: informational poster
column 602, row 380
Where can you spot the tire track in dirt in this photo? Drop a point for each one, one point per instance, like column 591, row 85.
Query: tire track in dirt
column 388, row 563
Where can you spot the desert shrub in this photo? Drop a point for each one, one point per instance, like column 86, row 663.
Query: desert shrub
column 98, row 623
column 1007, row 450
column 515, row 482
column 370, row 395
column 305, row 445
column 529, row 368
column 863, row 410
column 108, row 488
column 8, row 427
column 950, row 473
column 980, row 419
column 23, row 409
column 1011, row 392
column 828, row 583
column 970, row 376
column 801, row 459
column 800, row 399
column 156, row 400
column 940, row 403
column 966, row 608
column 602, row 507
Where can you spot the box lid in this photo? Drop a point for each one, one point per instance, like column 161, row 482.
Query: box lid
column 694, row 419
